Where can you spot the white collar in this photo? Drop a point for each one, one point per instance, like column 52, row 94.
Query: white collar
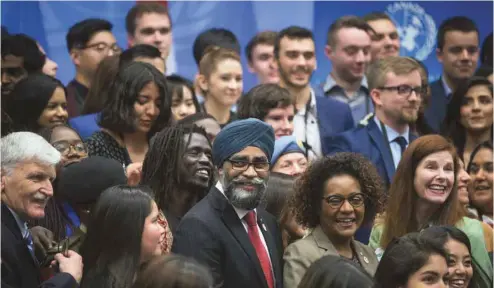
column 22, row 225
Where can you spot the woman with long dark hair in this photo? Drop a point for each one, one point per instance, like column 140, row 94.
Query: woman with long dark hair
column 468, row 119
column 424, row 193
column 122, row 234
column 480, row 170
column 137, row 107
column 37, row 101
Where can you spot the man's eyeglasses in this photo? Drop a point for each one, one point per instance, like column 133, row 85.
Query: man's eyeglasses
column 104, row 48
column 406, row 90
column 242, row 165
column 64, row 147
column 336, row 201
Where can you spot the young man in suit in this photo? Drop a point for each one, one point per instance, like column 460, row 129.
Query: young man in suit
column 28, row 168
column 396, row 89
column 240, row 243
column 316, row 116
column 458, row 52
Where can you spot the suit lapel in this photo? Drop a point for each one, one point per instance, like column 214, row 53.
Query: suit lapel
column 383, row 147
column 233, row 223
column 270, row 243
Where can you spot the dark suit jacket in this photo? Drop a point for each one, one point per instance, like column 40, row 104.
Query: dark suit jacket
column 76, row 95
column 18, row 267
column 212, row 233
column 438, row 105
column 369, row 141
column 333, row 116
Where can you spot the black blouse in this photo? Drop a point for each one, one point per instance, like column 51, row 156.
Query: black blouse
column 104, row 145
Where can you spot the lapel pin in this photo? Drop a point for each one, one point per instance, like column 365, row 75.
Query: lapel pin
column 264, row 227
column 366, row 260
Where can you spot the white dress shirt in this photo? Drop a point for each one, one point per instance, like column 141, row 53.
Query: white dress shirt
column 393, row 145
column 308, row 132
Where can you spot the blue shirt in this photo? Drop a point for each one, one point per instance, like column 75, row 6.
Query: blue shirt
column 360, row 103
column 393, row 145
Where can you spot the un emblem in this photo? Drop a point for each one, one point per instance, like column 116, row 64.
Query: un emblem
column 416, row 28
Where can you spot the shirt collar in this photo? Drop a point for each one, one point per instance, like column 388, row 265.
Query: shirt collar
column 447, row 90
column 240, row 212
column 392, row 134
column 22, row 225
column 331, row 83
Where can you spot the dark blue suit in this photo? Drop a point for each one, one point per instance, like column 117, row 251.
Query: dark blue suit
column 85, row 125
column 438, row 104
column 334, row 117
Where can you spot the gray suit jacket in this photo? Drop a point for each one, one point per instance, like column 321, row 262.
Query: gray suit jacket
column 300, row 255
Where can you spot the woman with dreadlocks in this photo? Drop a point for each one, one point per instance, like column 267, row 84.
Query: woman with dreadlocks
column 179, row 169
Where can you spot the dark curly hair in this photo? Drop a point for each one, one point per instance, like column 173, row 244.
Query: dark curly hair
column 309, row 188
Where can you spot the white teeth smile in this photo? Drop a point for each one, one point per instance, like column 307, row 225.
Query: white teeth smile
column 457, row 283
column 437, row 187
column 346, row 220
column 203, row 172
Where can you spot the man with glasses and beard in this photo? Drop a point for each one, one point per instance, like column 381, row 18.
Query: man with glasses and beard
column 226, row 231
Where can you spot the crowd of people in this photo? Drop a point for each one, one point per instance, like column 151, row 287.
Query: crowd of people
column 129, row 178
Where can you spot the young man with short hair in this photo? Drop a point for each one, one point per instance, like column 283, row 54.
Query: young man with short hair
column 260, row 57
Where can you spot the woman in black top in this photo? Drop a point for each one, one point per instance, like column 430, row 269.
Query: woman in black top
column 136, row 109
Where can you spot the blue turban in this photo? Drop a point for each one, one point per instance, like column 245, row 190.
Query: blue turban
column 285, row 145
column 240, row 134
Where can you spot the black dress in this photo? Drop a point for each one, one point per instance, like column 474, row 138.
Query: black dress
column 104, row 145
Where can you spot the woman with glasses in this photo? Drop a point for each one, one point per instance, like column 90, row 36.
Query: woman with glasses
column 424, row 193
column 469, row 118
column 334, row 196
column 67, row 141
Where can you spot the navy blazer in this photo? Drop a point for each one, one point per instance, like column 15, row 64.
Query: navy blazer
column 438, row 105
column 19, row 269
column 85, row 125
column 369, row 141
column 333, row 117
column 212, row 233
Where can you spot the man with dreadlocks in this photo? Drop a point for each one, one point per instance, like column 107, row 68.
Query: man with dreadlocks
column 179, row 169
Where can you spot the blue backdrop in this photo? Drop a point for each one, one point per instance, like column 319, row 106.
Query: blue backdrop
column 48, row 23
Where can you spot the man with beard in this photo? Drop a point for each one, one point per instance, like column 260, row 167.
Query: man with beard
column 316, row 116
column 226, row 231
column 458, row 51
column 28, row 169
column 179, row 169
column 349, row 50
column 396, row 89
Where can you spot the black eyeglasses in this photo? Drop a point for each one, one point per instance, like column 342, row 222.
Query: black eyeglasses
column 242, row 165
column 336, row 201
column 104, row 48
column 405, row 90
column 64, row 147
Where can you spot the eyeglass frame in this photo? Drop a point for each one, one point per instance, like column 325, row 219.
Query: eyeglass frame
column 327, row 198
column 106, row 46
column 71, row 146
column 249, row 163
column 421, row 93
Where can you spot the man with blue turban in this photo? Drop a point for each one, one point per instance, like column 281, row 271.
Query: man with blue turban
column 226, row 231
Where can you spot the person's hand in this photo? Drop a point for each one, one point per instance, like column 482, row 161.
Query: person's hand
column 70, row 263
column 133, row 172
column 42, row 238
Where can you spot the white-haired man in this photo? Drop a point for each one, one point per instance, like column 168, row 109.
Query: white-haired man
column 28, row 168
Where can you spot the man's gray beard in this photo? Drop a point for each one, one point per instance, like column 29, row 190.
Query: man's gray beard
column 242, row 199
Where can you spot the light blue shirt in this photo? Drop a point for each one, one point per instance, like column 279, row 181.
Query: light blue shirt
column 393, row 145
column 447, row 90
column 360, row 103
column 22, row 225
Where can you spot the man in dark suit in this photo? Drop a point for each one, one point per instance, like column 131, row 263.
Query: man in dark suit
column 396, row 89
column 28, row 167
column 458, row 51
column 240, row 243
column 316, row 116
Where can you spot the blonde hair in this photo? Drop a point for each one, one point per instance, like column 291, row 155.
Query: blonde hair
column 376, row 74
column 212, row 57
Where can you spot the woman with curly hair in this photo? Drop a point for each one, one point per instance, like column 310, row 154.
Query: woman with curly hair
column 334, row 196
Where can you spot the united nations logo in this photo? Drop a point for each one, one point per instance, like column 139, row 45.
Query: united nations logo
column 416, row 28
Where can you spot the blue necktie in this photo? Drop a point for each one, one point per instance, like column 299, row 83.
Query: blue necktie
column 28, row 239
column 402, row 142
